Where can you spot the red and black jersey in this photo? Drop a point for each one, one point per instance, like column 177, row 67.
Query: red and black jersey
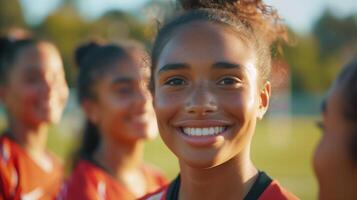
column 23, row 178
column 90, row 182
column 264, row 188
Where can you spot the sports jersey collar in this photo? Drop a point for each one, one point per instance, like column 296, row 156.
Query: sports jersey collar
column 260, row 185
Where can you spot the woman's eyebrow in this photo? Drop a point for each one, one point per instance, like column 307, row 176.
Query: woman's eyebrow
column 122, row 80
column 225, row 65
column 173, row 66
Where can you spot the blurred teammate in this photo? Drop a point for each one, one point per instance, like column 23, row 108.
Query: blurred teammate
column 112, row 90
column 33, row 91
column 335, row 160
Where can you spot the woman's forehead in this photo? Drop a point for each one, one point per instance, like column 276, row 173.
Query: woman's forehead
column 205, row 42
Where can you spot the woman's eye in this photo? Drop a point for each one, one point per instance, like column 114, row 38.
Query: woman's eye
column 229, row 81
column 123, row 90
column 32, row 79
column 175, row 82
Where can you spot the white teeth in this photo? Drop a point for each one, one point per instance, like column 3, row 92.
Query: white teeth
column 203, row 131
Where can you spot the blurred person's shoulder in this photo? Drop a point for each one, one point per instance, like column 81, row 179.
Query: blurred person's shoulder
column 90, row 181
column 5, row 146
column 13, row 154
column 8, row 173
column 160, row 194
column 17, row 170
column 82, row 183
column 85, row 171
column 154, row 175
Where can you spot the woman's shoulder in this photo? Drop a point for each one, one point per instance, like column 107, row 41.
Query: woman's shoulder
column 8, row 149
column 85, row 182
column 17, row 170
column 266, row 188
column 156, row 174
column 84, row 170
column 277, row 192
column 159, row 194
column 5, row 150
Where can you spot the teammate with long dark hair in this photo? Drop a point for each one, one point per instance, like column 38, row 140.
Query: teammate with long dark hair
column 33, row 91
column 113, row 92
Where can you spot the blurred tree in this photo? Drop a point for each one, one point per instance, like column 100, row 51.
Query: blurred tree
column 336, row 35
column 303, row 60
column 119, row 25
column 66, row 29
column 317, row 57
column 10, row 15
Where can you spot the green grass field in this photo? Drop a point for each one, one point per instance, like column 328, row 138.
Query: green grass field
column 282, row 148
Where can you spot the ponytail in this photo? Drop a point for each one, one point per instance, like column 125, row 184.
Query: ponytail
column 89, row 143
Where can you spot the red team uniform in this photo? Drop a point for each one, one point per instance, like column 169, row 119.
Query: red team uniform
column 22, row 178
column 264, row 188
column 91, row 182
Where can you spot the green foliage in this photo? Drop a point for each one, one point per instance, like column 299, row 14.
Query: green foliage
column 335, row 35
column 316, row 59
column 10, row 15
column 65, row 28
column 118, row 25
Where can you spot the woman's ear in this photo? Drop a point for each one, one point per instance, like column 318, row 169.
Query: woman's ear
column 91, row 110
column 264, row 98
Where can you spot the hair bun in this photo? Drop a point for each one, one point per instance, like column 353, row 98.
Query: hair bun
column 84, row 50
column 252, row 12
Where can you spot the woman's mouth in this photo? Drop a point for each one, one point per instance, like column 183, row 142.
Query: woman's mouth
column 203, row 131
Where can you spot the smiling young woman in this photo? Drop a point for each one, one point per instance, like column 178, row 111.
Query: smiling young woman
column 210, row 69
column 113, row 92
column 34, row 92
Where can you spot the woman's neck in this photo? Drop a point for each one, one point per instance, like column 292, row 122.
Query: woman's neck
column 32, row 139
column 230, row 180
column 124, row 162
column 118, row 159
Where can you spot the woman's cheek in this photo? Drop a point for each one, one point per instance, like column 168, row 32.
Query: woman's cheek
column 167, row 106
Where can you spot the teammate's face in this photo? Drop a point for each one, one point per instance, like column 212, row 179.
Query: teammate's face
column 122, row 108
column 206, row 95
column 333, row 164
column 36, row 90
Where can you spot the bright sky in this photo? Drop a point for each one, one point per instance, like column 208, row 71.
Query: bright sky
column 299, row 14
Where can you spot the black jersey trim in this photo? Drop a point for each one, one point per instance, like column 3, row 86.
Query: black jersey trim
column 260, row 185
column 173, row 189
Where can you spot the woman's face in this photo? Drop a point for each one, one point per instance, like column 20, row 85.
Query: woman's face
column 333, row 163
column 122, row 108
column 206, row 94
column 36, row 91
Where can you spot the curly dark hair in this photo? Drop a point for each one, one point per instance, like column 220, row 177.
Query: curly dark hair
column 253, row 20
